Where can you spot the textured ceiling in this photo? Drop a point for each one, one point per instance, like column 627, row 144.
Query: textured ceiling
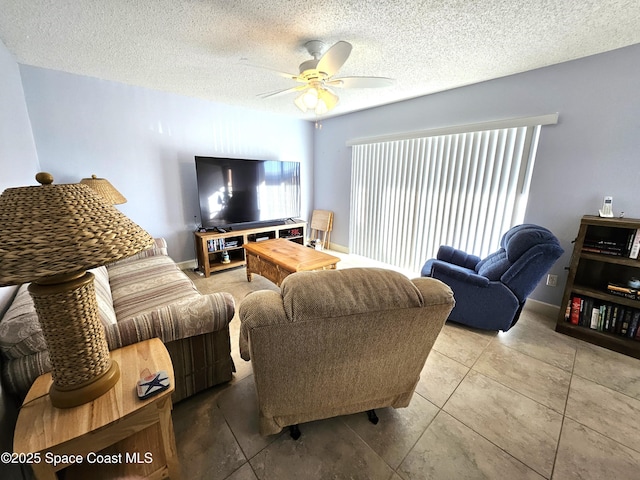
column 209, row 48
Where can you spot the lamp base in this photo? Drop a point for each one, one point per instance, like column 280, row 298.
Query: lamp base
column 84, row 393
column 81, row 366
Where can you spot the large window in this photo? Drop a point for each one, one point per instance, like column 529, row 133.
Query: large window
column 462, row 187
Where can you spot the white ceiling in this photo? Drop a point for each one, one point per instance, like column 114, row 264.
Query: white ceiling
column 201, row 48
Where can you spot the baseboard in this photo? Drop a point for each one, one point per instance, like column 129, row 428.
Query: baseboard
column 546, row 309
column 338, row 248
column 187, row 265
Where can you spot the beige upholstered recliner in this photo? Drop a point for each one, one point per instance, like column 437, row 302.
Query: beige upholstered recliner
column 337, row 342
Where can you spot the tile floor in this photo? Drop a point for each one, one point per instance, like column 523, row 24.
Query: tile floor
column 529, row 403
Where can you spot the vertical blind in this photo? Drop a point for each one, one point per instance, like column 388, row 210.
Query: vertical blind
column 412, row 195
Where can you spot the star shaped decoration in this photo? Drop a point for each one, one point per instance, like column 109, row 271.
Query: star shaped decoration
column 158, row 382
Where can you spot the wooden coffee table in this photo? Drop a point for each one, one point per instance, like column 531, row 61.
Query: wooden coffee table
column 275, row 259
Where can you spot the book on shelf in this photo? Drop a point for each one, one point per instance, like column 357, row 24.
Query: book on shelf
column 603, row 251
column 617, row 319
column 580, row 311
column 595, row 316
column 634, row 248
column 607, row 317
column 586, row 311
column 576, row 303
column 623, row 291
column 634, row 323
column 216, row 244
column 626, row 244
column 626, row 322
column 601, row 315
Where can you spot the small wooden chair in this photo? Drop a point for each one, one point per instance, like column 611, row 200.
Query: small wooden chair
column 321, row 226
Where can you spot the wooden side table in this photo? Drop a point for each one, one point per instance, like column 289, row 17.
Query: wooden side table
column 115, row 436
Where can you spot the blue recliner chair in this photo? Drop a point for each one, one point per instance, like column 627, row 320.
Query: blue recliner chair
column 491, row 292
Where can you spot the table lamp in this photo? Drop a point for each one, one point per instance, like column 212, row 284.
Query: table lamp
column 103, row 187
column 51, row 235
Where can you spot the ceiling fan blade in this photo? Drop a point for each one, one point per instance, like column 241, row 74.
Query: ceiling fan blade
column 361, row 82
column 291, row 76
column 277, row 93
column 334, row 58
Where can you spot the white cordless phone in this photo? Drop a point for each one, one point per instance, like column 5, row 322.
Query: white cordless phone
column 607, row 207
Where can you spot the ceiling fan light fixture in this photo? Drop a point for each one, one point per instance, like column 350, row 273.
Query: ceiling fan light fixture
column 310, row 98
column 321, row 108
column 299, row 102
column 316, row 98
column 326, row 101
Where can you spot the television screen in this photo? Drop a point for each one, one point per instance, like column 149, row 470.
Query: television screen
column 234, row 191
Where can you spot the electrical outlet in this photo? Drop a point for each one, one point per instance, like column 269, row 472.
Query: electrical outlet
column 552, row 280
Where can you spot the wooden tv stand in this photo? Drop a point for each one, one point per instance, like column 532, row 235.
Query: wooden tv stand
column 211, row 245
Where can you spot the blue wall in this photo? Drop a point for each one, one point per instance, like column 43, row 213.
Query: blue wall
column 18, row 165
column 18, row 158
column 590, row 153
column 144, row 142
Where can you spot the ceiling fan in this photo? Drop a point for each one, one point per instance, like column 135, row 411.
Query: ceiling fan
column 317, row 78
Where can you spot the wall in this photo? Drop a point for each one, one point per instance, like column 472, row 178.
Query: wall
column 18, row 158
column 591, row 152
column 18, row 165
column 144, row 142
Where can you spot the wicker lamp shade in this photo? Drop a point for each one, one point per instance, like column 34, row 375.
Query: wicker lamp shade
column 50, row 235
column 103, row 187
column 52, row 229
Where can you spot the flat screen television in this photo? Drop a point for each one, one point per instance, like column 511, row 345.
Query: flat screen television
column 235, row 191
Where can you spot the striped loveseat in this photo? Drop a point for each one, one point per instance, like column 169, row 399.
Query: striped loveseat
column 140, row 297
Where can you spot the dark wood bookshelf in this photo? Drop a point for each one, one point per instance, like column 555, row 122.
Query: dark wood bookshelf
column 589, row 274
